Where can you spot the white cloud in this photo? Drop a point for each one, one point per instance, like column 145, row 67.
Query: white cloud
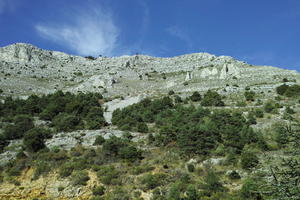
column 91, row 32
column 181, row 34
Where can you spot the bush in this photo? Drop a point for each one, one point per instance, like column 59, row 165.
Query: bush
column 282, row 89
column 249, row 95
column 152, row 181
column 130, row 153
column 171, row 92
column 250, row 190
column 259, row 113
column 34, row 139
column 212, row 98
column 196, row 96
column 212, row 182
column 22, row 123
column 80, row 178
column 66, row 170
column 269, row 107
column 98, row 191
column 249, row 160
column 99, row 140
column 142, row 127
column 66, row 122
column 190, row 167
column 234, row 175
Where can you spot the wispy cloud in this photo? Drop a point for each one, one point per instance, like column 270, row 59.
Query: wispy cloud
column 181, row 34
column 91, row 32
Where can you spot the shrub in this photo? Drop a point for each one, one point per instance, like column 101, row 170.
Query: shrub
column 66, row 122
column 80, row 178
column 98, row 191
column 234, row 175
column 212, row 98
column 99, row 140
column 250, row 190
column 190, row 167
column 269, row 107
column 22, row 123
column 152, row 181
column 249, row 95
column 34, row 139
column 249, row 160
column 196, row 96
column 142, row 127
column 212, row 182
column 171, row 92
column 259, row 113
column 282, row 89
column 130, row 153
column 66, row 170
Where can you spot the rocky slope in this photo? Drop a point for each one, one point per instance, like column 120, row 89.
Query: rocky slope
column 26, row 69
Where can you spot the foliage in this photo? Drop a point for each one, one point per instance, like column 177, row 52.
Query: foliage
column 80, row 178
column 34, row 139
column 98, row 190
column 249, row 160
column 196, row 96
column 249, row 95
column 250, row 190
column 212, row 182
column 99, row 140
column 152, row 181
column 212, row 98
column 289, row 91
column 22, row 123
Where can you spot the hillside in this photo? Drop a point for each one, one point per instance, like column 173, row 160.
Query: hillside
column 195, row 126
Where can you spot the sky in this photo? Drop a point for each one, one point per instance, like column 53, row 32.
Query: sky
column 259, row 32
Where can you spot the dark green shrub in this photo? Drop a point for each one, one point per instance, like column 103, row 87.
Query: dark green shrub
column 249, row 160
column 171, row 92
column 99, row 140
column 34, row 139
column 269, row 107
column 98, row 190
column 196, row 96
column 142, row 127
column 234, row 175
column 95, row 119
column 80, row 178
column 152, row 181
column 66, row 170
column 250, row 190
column 66, row 122
column 259, row 113
column 282, row 89
column 22, row 123
column 212, row 98
column 212, row 182
column 249, row 95
column 190, row 167
column 130, row 153
column 109, row 175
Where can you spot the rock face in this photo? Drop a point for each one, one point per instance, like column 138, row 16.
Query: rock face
column 26, row 69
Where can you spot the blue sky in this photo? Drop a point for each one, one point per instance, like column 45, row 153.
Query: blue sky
column 262, row 32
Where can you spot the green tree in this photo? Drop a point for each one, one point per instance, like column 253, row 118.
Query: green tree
column 196, row 96
column 34, row 139
column 212, row 98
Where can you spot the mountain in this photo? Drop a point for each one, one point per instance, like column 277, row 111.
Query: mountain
column 26, row 69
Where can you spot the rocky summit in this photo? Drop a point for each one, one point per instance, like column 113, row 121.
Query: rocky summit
column 26, row 69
